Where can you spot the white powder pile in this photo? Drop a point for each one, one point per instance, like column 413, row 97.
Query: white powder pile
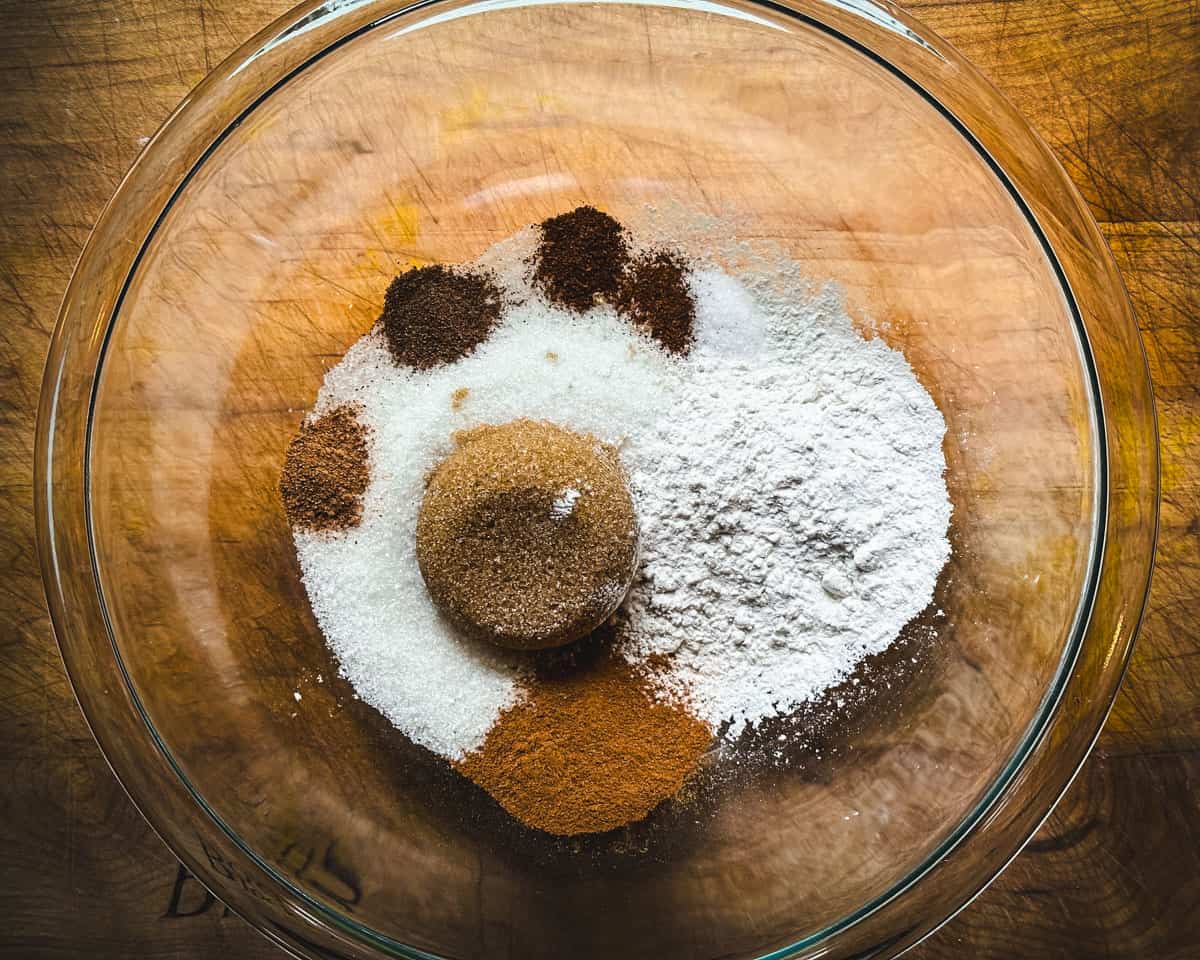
column 787, row 476
column 794, row 510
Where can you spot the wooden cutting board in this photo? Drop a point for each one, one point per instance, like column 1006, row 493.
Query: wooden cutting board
column 1113, row 85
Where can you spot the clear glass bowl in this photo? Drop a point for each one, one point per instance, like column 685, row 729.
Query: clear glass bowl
column 251, row 244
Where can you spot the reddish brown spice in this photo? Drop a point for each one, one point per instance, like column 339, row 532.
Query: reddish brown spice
column 654, row 296
column 326, row 472
column 436, row 315
column 588, row 751
column 580, row 258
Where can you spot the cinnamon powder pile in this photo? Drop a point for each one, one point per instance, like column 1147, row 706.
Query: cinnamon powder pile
column 588, row 751
column 326, row 472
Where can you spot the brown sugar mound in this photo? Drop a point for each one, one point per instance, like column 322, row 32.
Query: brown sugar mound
column 654, row 296
column 580, row 258
column 326, row 472
column 527, row 534
column 436, row 315
column 588, row 752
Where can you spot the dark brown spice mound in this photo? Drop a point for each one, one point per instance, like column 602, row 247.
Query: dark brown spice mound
column 580, row 258
column 655, row 297
column 326, row 472
column 435, row 315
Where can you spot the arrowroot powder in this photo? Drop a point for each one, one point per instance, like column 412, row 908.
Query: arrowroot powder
column 786, row 472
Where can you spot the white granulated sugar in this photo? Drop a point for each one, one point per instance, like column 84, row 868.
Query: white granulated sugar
column 787, row 476
column 728, row 327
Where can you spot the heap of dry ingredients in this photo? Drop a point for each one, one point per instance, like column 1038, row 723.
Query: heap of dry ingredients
column 527, row 414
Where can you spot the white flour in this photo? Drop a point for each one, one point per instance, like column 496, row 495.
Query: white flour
column 788, row 478
column 794, row 512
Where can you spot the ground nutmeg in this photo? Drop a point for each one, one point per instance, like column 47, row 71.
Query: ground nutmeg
column 326, row 472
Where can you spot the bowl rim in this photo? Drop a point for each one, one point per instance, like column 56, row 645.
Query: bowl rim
column 282, row 910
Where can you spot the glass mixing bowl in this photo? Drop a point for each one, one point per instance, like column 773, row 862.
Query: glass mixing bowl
column 250, row 246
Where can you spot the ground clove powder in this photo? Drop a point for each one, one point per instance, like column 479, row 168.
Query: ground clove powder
column 436, row 315
column 580, row 258
column 655, row 298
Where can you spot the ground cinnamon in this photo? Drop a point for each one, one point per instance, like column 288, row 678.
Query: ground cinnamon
column 326, row 472
column 588, row 751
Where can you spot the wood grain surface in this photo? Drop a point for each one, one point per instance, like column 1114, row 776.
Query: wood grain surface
column 1112, row 85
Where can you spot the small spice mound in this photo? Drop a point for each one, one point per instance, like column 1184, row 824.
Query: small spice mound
column 580, row 259
column 588, row 752
column 326, row 472
column 435, row 315
column 654, row 295
column 527, row 535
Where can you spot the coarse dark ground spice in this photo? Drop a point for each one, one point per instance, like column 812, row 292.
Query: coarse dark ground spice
column 588, row 751
column 654, row 296
column 580, row 258
column 435, row 315
column 326, row 471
